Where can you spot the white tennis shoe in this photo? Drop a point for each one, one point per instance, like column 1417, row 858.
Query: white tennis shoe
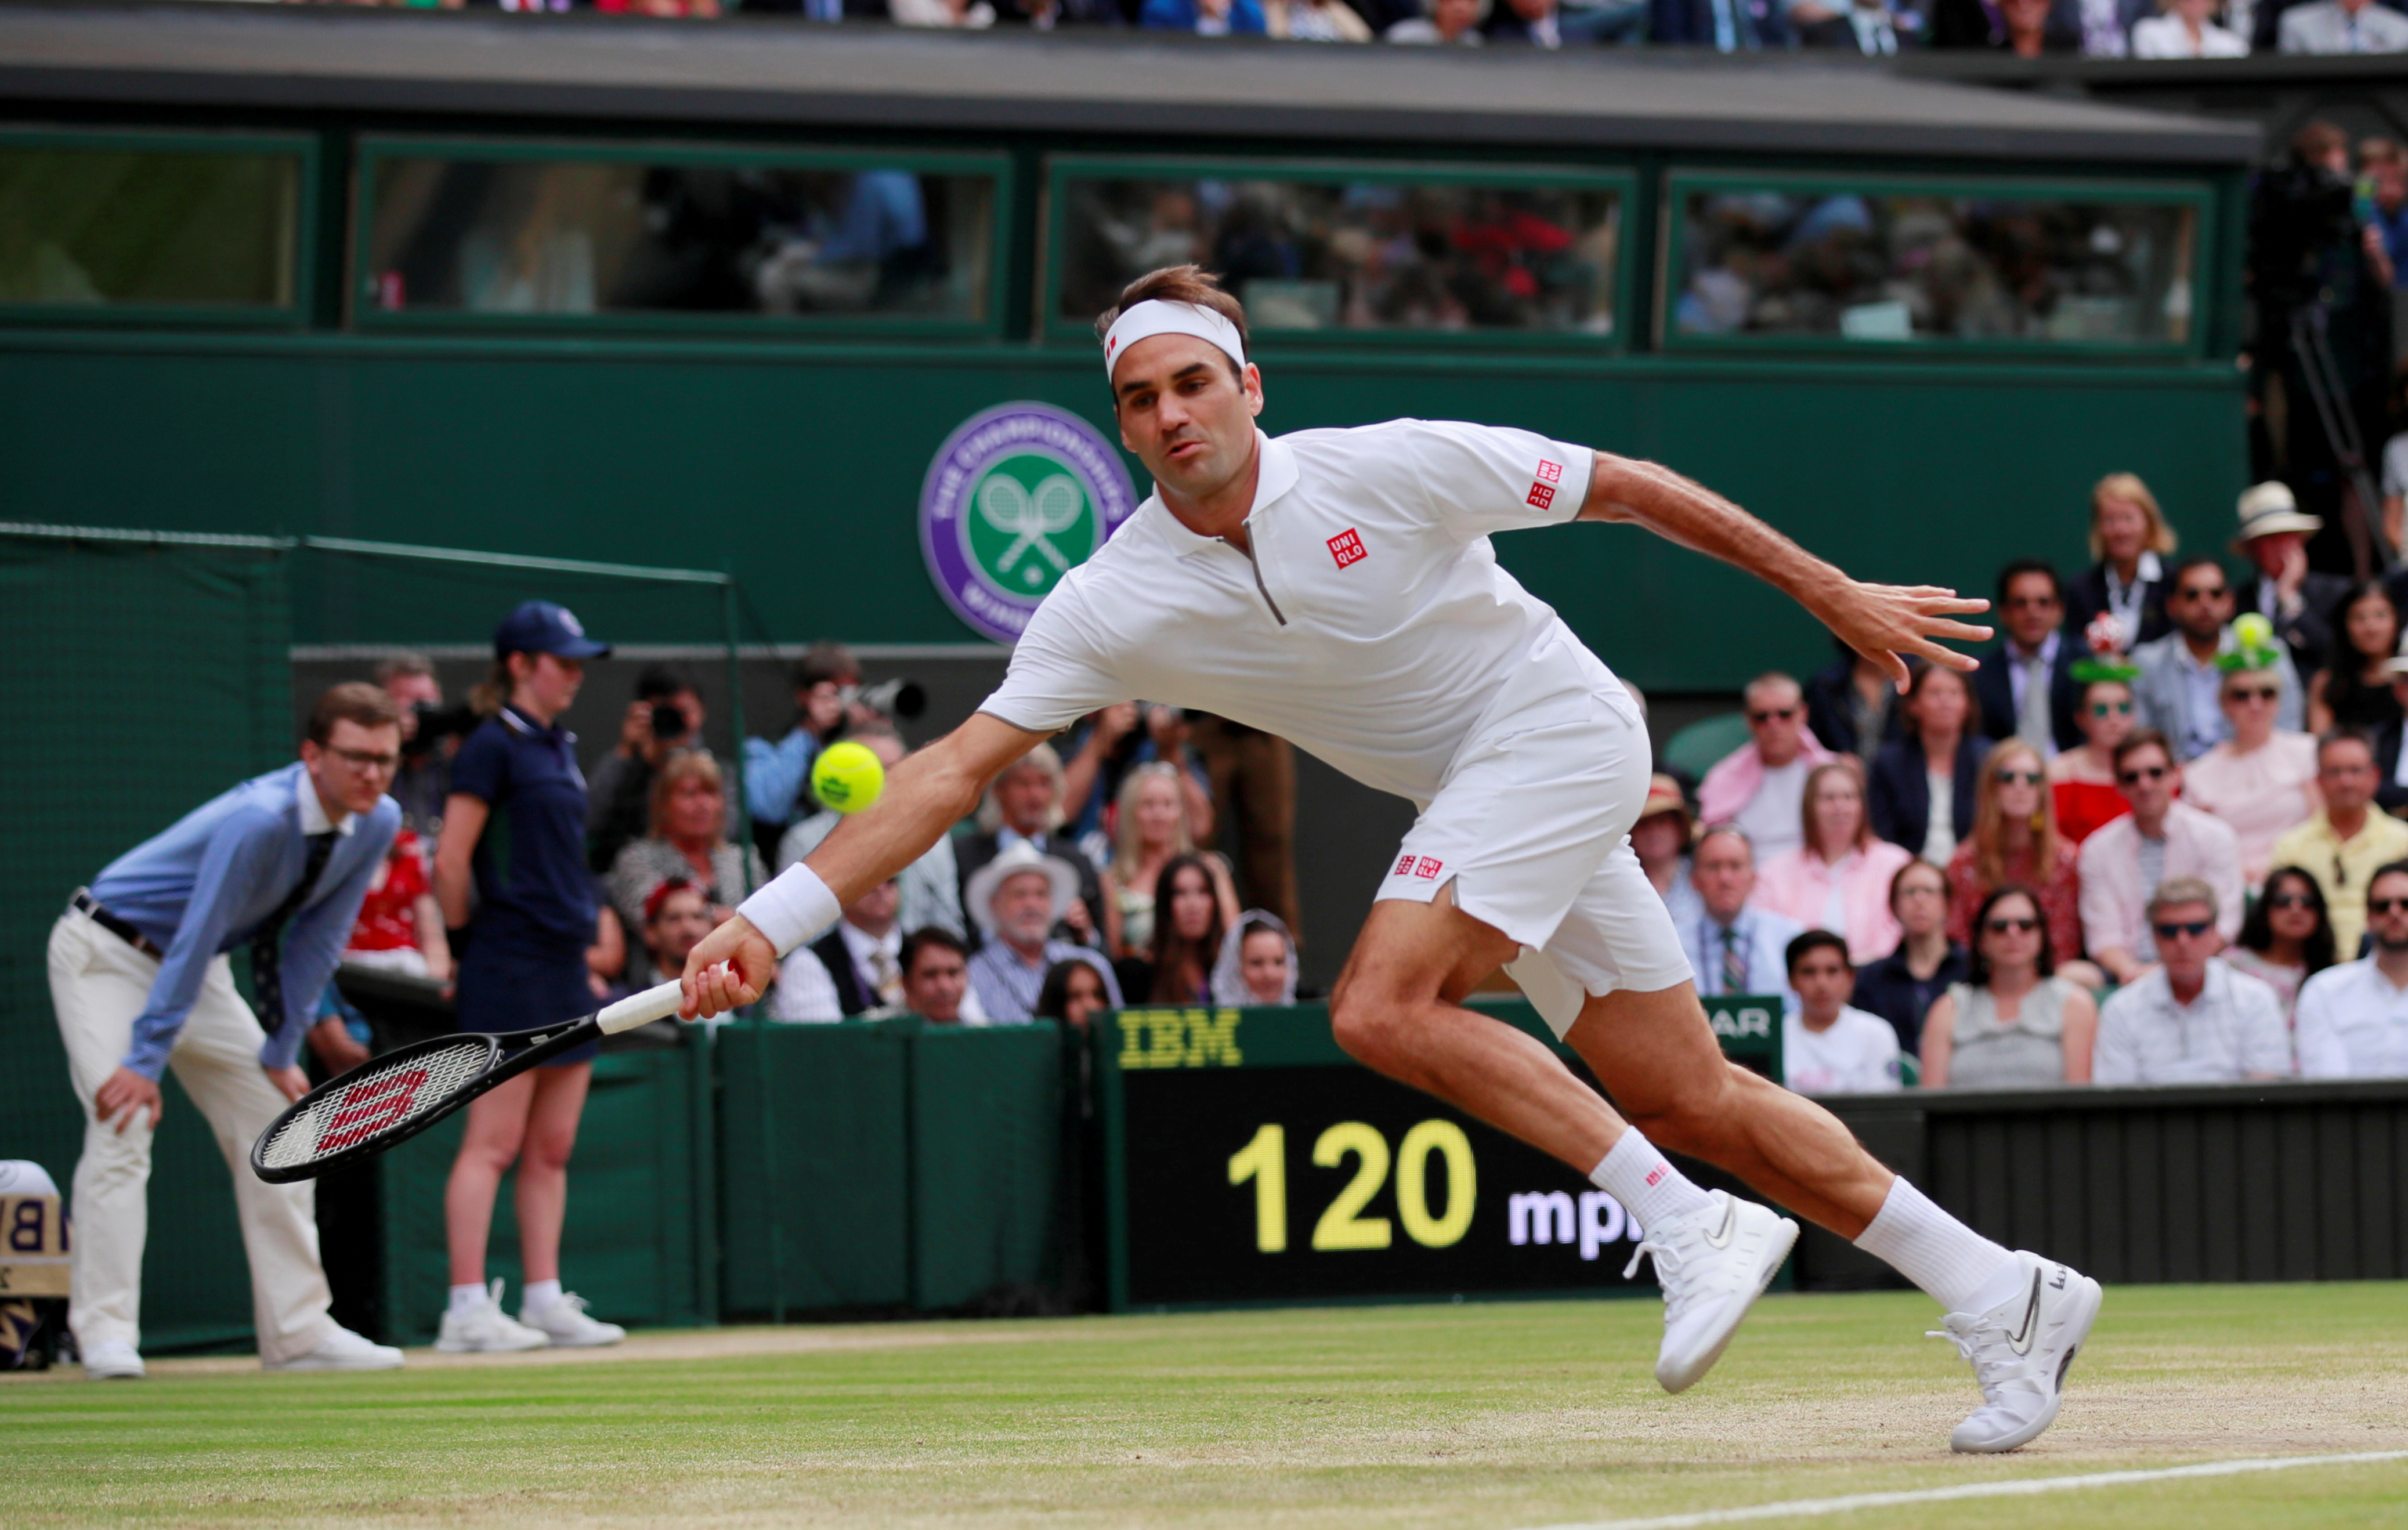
column 487, row 1329
column 2020, row 1351
column 1712, row 1264
column 342, row 1349
column 567, row 1325
column 111, row 1360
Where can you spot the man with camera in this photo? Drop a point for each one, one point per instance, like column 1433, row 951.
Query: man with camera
column 666, row 717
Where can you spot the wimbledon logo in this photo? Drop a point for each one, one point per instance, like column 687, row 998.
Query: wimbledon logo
column 1017, row 497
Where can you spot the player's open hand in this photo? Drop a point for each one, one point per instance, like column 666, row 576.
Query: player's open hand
column 1889, row 624
column 727, row 970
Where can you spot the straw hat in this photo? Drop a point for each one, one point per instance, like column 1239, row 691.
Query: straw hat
column 2267, row 509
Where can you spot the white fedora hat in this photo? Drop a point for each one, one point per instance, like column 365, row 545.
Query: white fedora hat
column 979, row 891
column 2267, row 509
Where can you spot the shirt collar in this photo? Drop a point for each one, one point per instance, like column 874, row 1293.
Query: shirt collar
column 521, row 724
column 862, row 943
column 313, row 812
column 1276, row 476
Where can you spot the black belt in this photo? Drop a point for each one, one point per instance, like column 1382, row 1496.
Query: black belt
column 85, row 903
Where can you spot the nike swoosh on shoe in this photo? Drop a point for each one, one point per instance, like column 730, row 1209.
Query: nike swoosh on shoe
column 2021, row 1339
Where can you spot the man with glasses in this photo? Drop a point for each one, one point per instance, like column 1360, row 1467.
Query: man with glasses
column 1759, row 788
column 2343, row 843
column 2026, row 685
column 141, row 981
column 2125, row 861
column 2178, row 688
column 2192, row 1019
column 2353, row 1018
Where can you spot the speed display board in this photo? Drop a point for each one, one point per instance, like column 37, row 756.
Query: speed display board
column 1249, row 1159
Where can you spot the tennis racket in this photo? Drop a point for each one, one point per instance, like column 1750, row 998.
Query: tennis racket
column 388, row 1100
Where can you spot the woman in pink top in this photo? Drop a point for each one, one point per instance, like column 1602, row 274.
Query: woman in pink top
column 1839, row 878
column 2261, row 780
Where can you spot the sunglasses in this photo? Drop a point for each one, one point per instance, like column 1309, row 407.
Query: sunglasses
column 2193, row 927
column 2253, row 693
column 2289, row 900
column 2021, row 926
column 2145, row 773
column 2385, row 906
column 2111, row 708
column 2020, row 777
column 1780, row 714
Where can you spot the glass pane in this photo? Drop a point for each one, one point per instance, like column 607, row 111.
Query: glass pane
column 93, row 227
column 1355, row 254
column 1874, row 267
column 498, row 237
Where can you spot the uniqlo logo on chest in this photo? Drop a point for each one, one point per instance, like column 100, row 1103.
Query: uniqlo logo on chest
column 1347, row 548
column 1543, row 495
column 1428, row 868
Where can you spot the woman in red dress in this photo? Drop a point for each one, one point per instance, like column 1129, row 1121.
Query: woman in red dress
column 2081, row 780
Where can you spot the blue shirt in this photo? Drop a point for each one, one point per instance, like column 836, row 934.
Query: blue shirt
column 1763, row 936
column 530, row 860
column 774, row 775
column 1008, row 988
column 207, row 885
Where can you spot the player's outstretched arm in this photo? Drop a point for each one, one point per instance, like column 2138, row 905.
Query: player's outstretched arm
column 929, row 793
column 1884, row 623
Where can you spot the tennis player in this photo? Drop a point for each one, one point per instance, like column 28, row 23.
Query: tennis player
column 1336, row 587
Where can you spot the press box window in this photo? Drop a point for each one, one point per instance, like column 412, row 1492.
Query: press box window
column 96, row 227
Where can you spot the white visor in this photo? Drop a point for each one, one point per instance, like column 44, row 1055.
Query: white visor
column 1155, row 316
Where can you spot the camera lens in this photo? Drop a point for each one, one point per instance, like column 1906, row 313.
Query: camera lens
column 668, row 720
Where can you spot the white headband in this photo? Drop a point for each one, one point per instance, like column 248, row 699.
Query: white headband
column 1142, row 320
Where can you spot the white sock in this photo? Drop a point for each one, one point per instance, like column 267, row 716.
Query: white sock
column 467, row 1299
column 1645, row 1181
column 1964, row 1271
column 540, row 1295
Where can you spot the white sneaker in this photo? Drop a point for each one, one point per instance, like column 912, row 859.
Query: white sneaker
column 567, row 1325
column 111, row 1360
column 342, row 1349
column 487, row 1329
column 1712, row 1264
column 2020, row 1351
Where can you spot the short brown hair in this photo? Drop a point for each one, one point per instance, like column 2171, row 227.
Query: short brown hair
column 2141, row 738
column 1180, row 284
column 353, row 701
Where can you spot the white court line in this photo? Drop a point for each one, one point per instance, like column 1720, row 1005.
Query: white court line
column 2016, row 1487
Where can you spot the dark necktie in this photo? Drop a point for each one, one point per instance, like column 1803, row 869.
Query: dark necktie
column 266, row 942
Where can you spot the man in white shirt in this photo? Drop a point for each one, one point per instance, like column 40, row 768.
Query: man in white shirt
column 2353, row 1018
column 1760, row 786
column 853, row 969
column 1338, row 587
column 1734, row 947
column 1827, row 1046
column 2343, row 26
column 2192, row 1019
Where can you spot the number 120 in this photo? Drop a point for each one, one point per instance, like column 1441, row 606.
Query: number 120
column 1264, row 1161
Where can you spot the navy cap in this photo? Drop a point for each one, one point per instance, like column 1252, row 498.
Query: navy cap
column 538, row 626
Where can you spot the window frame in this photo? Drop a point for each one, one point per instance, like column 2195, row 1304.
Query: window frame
column 293, row 313
column 373, row 151
column 1680, row 184
column 1622, row 180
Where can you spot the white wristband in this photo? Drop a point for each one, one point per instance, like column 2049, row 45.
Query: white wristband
column 794, row 907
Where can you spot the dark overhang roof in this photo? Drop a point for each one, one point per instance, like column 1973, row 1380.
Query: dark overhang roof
column 789, row 74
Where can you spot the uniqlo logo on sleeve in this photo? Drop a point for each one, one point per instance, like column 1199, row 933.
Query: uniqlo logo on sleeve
column 1428, row 869
column 1543, row 495
column 1550, row 472
column 1347, row 548
column 1405, row 866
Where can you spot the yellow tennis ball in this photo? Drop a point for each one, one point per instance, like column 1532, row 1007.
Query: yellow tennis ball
column 2254, row 631
column 847, row 776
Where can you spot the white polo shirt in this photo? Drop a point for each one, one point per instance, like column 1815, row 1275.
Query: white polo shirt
column 2233, row 1028
column 1372, row 625
column 2353, row 1024
column 1857, row 1055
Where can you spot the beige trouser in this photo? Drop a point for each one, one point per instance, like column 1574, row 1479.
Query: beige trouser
column 98, row 985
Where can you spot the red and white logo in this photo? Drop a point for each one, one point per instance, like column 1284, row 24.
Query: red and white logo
column 1428, row 868
column 368, row 1108
column 1405, row 866
column 1550, row 472
column 1347, row 548
column 1655, row 1175
column 1543, row 495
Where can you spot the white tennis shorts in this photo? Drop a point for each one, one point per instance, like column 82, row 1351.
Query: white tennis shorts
column 1533, row 828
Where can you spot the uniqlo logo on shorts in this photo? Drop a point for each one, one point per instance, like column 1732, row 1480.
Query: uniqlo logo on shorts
column 1550, row 472
column 1428, row 869
column 1405, row 866
column 1347, row 548
column 1543, row 495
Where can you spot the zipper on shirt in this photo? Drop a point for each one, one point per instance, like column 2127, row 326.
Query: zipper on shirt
column 1266, row 589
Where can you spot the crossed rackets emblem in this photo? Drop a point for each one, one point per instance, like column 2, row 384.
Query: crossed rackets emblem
column 1032, row 522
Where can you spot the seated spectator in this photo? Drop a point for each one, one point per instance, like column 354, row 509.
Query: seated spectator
column 2287, row 939
column 2353, row 1019
column 2082, row 781
column 2192, row 1018
column 1872, row 28
column 676, row 918
column 856, row 968
column 687, row 838
column 2025, row 28
column 1828, row 1047
column 931, row 885
column 1204, row 17
column 1726, row 26
column 2011, row 1024
column 1315, row 21
column 1257, row 963
column 2343, row 842
column 1921, row 791
column 775, row 775
column 1024, row 806
column 2262, row 780
column 2390, row 775
column 2303, row 602
column 1116, row 741
column 1838, row 879
column 400, row 929
column 1759, row 788
column 2129, row 535
column 1530, row 22
column 1661, row 839
column 2122, row 864
column 1151, row 831
column 1442, row 21
column 1852, row 705
column 971, row 15
column 2014, row 843
column 1902, row 986
column 664, row 719
column 2181, row 673
column 2026, row 687
column 2185, row 32
column 1073, row 994
column 2344, row 27
column 1018, row 898
column 1734, row 947
column 2354, row 688
column 936, row 979
column 1189, row 926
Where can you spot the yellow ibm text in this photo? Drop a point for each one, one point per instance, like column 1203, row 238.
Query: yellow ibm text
column 1263, row 1163
column 1180, row 1038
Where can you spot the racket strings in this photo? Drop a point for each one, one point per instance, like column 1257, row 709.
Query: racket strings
column 384, row 1098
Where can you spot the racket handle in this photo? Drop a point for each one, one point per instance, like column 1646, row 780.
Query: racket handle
column 639, row 1009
